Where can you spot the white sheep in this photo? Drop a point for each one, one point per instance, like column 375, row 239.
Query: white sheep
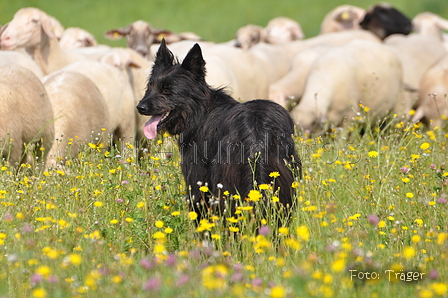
column 416, row 57
column 14, row 57
column 290, row 87
column 80, row 113
column 429, row 23
column 75, row 37
column 140, row 35
column 26, row 115
column 136, row 69
column 278, row 30
column 117, row 93
column 346, row 76
column 433, row 93
column 31, row 29
column 343, row 17
column 305, row 52
column 249, row 35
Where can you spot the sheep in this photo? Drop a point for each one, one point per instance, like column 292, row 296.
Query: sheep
column 14, row 57
column 80, row 113
column 282, row 29
column 384, row 20
column 342, row 78
column 117, row 93
column 140, row 35
column 428, row 23
column 416, row 58
column 136, row 69
column 26, row 115
column 305, row 52
column 290, row 87
column 343, row 17
column 31, row 29
column 278, row 30
column 249, row 35
column 433, row 91
column 75, row 37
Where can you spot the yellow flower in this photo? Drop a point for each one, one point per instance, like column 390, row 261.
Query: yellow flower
column 175, row 213
column 424, row 146
column 39, row 293
column 192, row 215
column 439, row 288
column 405, row 180
column 373, row 154
column 254, row 195
column 159, row 224
column 159, row 235
column 408, row 252
column 415, row 238
column 295, row 184
column 98, row 204
column 168, row 230
column 283, row 230
column 278, row 292
column 303, row 232
column 75, row 259
column 43, row 270
column 203, row 188
column 409, row 195
column 263, row 186
column 116, row 279
column 114, row 221
column 274, row 174
column 338, row 265
column 128, row 219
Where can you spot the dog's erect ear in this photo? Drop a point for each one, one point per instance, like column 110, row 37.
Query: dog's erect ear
column 194, row 62
column 164, row 57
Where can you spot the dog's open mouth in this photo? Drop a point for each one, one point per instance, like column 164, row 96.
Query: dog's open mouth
column 154, row 124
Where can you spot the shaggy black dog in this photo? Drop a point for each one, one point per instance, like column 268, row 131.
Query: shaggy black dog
column 221, row 140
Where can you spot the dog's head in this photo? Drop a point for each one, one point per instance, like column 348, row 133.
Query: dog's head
column 175, row 92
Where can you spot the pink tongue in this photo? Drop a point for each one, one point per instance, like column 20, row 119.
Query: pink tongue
column 150, row 129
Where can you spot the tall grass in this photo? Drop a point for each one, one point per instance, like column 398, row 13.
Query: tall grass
column 373, row 201
column 212, row 19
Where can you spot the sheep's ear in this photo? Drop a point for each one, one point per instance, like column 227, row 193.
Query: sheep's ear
column 164, row 57
column 118, row 33
column 46, row 26
column 194, row 62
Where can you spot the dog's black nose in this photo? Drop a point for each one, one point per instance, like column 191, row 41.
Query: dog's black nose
column 142, row 108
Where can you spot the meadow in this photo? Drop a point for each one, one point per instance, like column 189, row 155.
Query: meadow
column 371, row 221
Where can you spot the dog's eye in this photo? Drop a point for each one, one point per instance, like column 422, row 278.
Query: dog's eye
column 166, row 91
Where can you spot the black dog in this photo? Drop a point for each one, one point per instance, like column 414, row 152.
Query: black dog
column 221, row 140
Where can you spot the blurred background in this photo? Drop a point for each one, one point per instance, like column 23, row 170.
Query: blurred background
column 214, row 20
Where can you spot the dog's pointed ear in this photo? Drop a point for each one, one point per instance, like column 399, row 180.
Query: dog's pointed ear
column 164, row 56
column 194, row 62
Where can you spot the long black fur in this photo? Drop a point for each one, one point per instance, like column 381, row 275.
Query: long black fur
column 218, row 136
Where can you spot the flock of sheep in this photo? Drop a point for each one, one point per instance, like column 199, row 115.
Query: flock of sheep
column 58, row 87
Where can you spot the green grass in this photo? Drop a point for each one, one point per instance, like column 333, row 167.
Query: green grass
column 108, row 225
column 212, row 19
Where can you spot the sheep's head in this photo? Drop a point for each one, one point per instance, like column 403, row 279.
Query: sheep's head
column 26, row 29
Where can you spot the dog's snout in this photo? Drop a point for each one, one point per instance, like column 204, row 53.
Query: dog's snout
column 142, row 108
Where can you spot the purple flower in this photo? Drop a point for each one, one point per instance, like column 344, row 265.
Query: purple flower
column 152, row 284
column 433, row 166
column 237, row 277
column 171, row 260
column 52, row 279
column 183, row 279
column 441, row 200
column 433, row 274
column 404, row 170
column 256, row 282
column 27, row 228
column 264, row 230
column 36, row 278
column 119, row 201
column 373, row 219
column 147, row 263
column 124, row 182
